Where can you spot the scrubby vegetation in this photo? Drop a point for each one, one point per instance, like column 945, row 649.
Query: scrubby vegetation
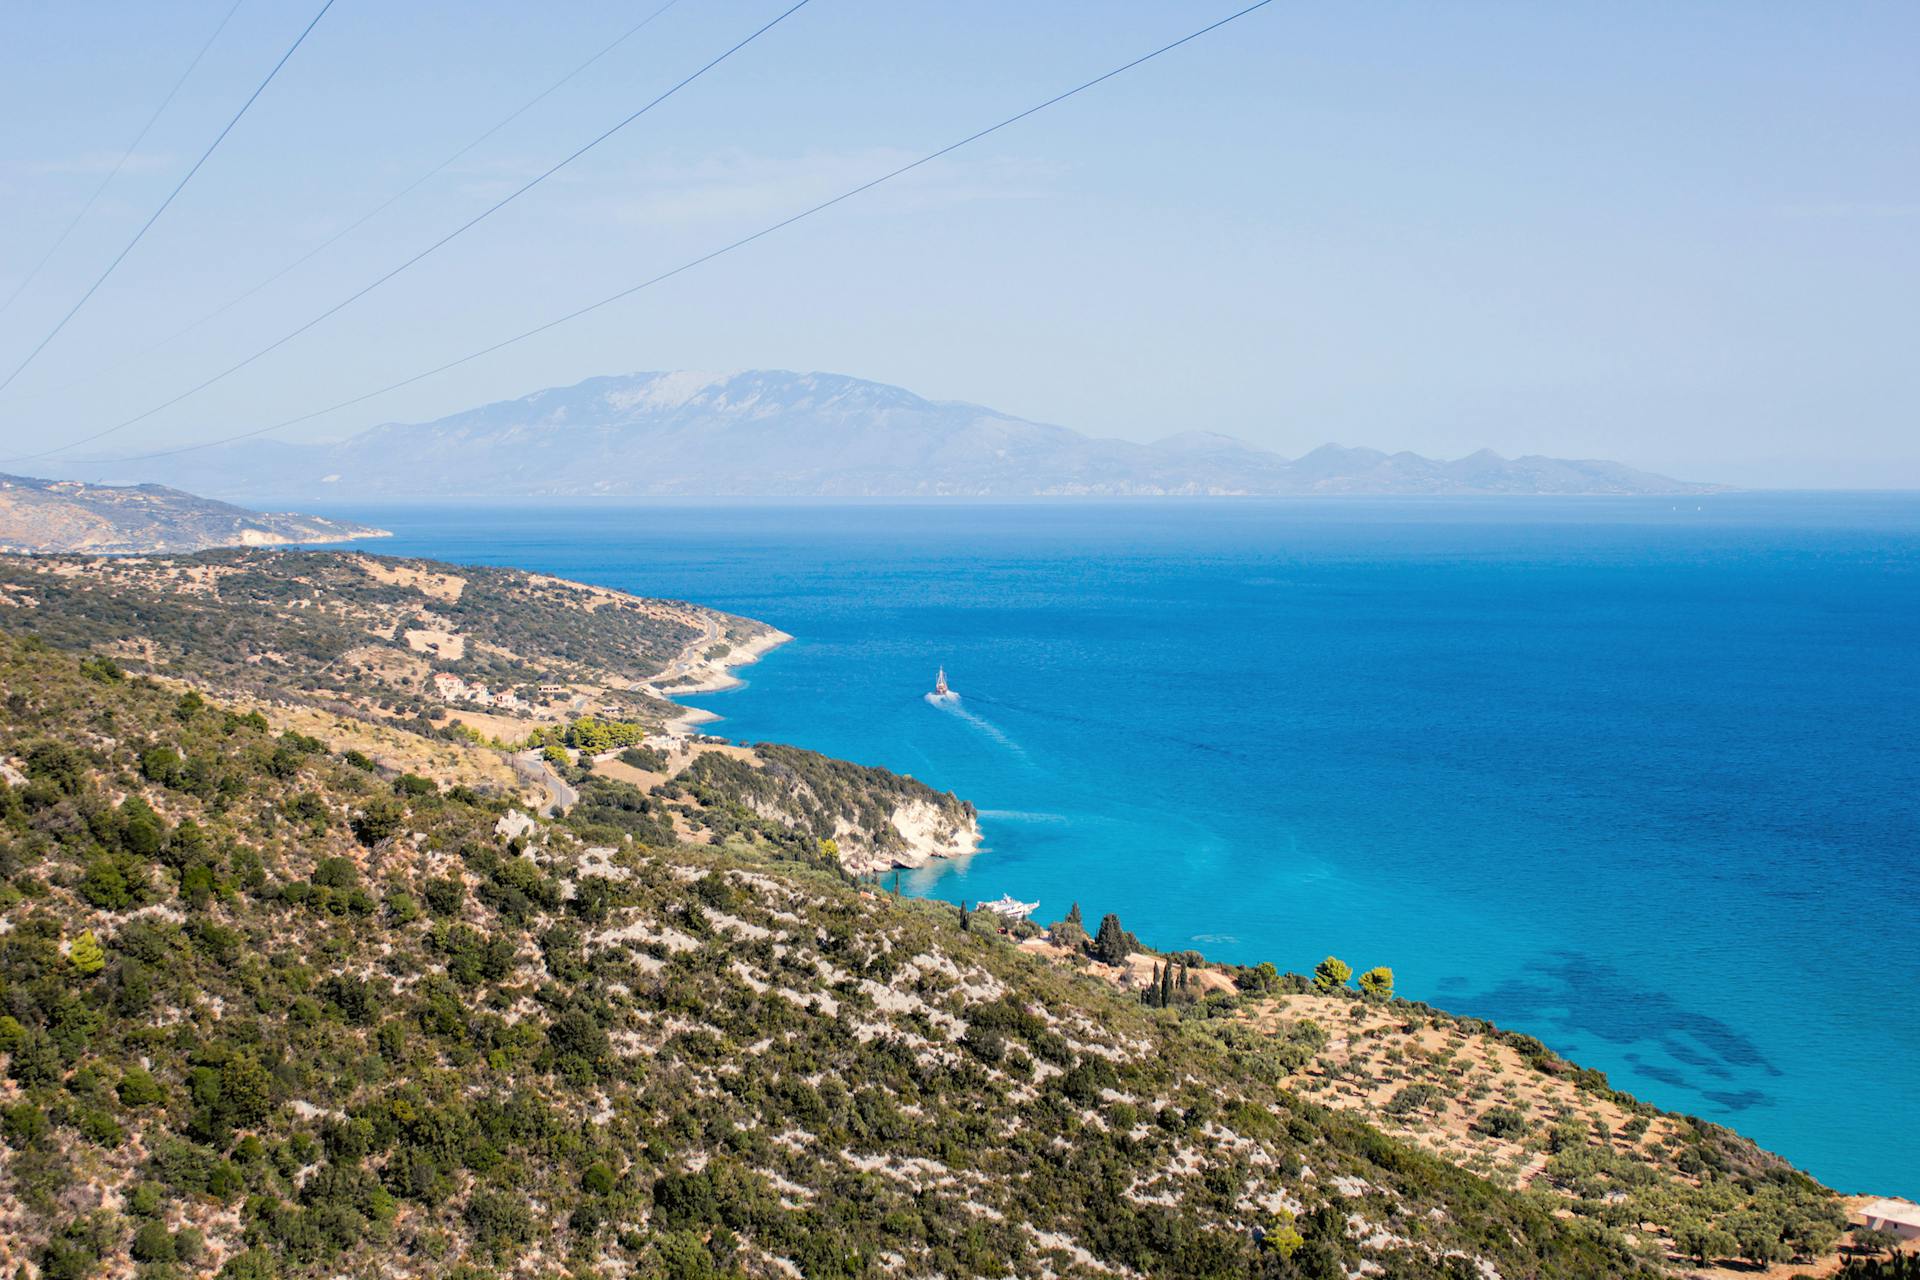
column 591, row 734
column 788, row 789
column 273, row 1007
column 269, row 1012
column 1504, row 1105
column 1498, row 1103
column 361, row 631
column 1899, row 1266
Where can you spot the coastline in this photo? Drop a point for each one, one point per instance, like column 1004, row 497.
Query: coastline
column 358, row 533
column 847, row 726
column 924, row 836
column 927, row 839
column 694, row 673
column 244, row 539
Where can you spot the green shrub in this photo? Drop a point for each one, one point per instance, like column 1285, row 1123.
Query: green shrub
column 1502, row 1122
column 598, row 1180
column 107, row 885
column 499, row 1218
column 23, row 1123
column 138, row 1088
column 152, row 1243
column 379, row 821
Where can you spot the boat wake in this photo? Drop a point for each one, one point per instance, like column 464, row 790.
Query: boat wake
column 950, row 703
column 1118, row 726
column 1022, row 815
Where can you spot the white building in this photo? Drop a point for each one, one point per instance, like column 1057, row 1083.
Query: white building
column 452, row 688
column 1895, row 1217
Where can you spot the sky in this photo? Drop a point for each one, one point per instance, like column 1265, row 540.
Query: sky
column 1683, row 236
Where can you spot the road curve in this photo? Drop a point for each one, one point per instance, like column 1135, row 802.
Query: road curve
column 534, row 768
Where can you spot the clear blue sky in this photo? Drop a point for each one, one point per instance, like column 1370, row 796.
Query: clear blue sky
column 1685, row 236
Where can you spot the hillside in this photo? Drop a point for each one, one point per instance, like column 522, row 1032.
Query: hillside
column 57, row 516
column 373, row 636
column 439, row 668
column 283, row 1015
column 274, row 1007
column 776, row 434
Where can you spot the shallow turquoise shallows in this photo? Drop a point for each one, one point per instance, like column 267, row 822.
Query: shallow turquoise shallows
column 1636, row 776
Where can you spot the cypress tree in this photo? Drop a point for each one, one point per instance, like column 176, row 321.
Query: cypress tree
column 1166, row 987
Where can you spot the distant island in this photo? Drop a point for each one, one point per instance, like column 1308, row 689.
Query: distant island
column 44, row 516
column 774, row 434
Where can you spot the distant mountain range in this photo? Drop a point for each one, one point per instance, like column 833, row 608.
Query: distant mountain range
column 790, row 435
column 65, row 515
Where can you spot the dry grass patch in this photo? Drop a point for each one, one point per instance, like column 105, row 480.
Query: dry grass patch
column 441, row 586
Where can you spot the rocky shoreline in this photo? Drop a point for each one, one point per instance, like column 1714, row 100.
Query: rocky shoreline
column 925, row 833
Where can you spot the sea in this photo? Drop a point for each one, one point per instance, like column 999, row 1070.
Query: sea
column 1637, row 776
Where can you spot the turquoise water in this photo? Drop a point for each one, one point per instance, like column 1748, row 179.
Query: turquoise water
column 1637, row 778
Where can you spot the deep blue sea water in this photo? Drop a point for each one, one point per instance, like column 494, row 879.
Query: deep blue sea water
column 1636, row 776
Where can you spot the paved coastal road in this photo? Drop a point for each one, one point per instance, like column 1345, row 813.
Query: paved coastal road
column 560, row 797
column 690, row 654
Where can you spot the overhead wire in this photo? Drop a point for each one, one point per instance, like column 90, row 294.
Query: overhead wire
column 171, row 196
column 378, row 209
column 121, row 163
column 464, row 227
column 741, row 243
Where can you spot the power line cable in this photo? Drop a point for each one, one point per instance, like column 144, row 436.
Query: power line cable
column 378, row 209
column 178, row 188
column 472, row 222
column 121, row 163
column 741, row 243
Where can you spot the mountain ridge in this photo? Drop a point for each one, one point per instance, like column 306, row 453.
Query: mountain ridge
column 779, row 434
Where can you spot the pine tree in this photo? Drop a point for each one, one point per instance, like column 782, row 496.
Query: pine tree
column 1332, row 973
column 1377, row 982
column 1073, row 916
column 87, row 955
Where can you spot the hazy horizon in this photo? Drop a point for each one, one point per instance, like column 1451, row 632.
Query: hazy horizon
column 85, row 468
column 1686, row 246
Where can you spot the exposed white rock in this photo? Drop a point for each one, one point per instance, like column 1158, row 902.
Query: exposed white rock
column 514, row 824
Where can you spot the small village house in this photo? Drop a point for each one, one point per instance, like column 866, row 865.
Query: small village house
column 1897, row 1218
